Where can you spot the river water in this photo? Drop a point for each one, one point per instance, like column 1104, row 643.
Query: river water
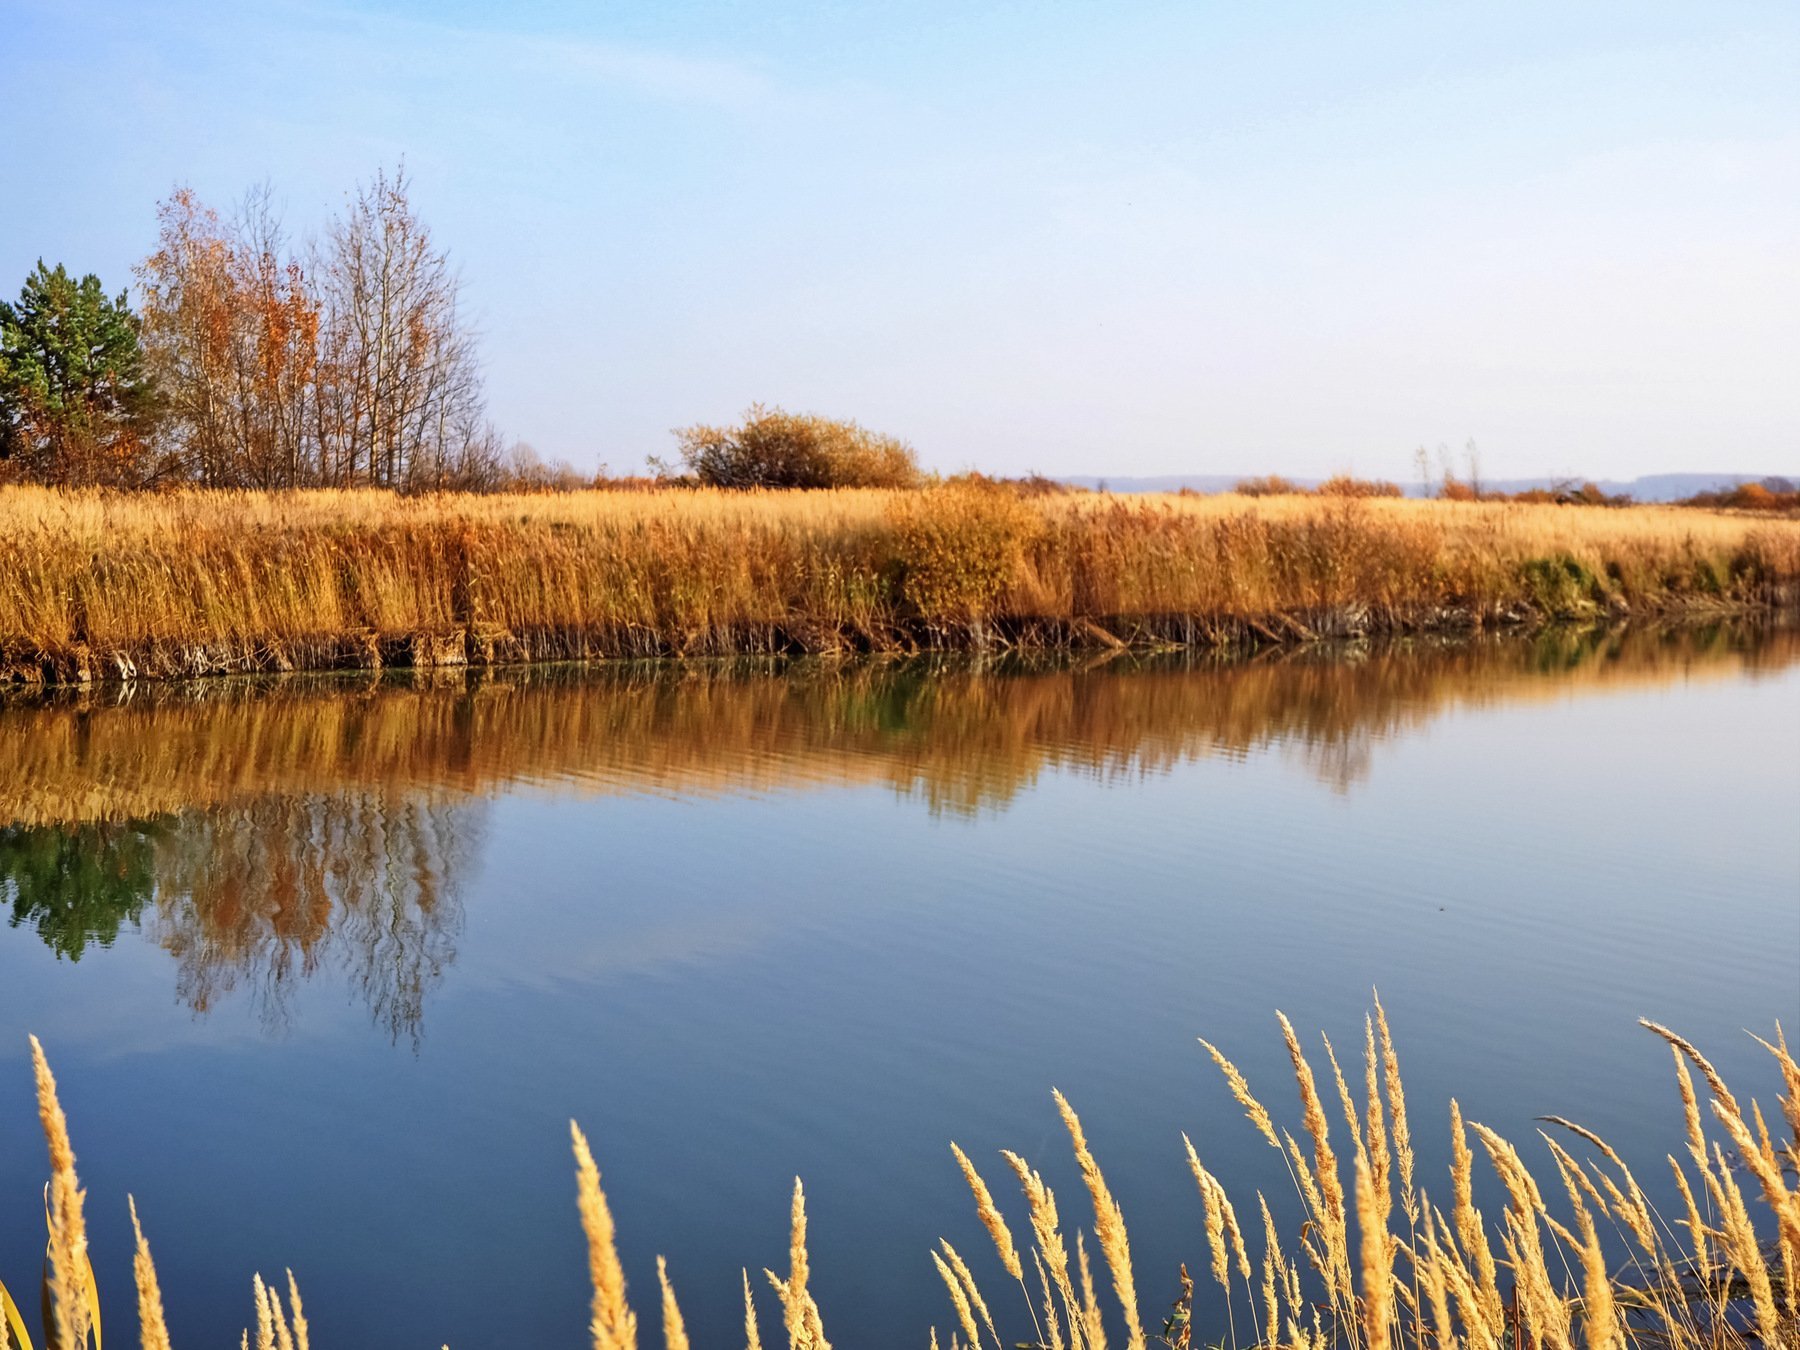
column 325, row 966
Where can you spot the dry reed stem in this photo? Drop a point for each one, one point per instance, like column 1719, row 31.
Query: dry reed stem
column 67, row 1223
column 961, row 1268
column 959, row 1298
column 302, row 1333
column 1377, row 1258
column 1240, row 1089
column 752, row 1333
column 1052, row 1336
column 1092, row 1324
column 1041, row 1203
column 991, row 1218
column 1396, row 1093
column 1109, row 1225
column 613, row 1325
column 153, row 1329
column 1330, row 1212
column 675, row 1335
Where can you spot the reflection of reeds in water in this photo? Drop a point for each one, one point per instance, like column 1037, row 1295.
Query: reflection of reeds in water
column 963, row 736
column 262, row 832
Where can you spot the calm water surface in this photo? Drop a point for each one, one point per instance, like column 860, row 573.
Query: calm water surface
column 326, row 966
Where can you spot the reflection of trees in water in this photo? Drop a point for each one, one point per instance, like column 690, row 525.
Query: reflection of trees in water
column 252, row 896
column 257, row 895
column 264, row 831
column 75, row 885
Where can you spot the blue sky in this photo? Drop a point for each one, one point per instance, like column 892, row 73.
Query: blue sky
column 1099, row 238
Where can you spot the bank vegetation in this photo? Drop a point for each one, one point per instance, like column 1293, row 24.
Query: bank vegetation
column 99, row 585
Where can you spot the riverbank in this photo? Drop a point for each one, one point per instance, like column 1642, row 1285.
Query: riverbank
column 97, row 586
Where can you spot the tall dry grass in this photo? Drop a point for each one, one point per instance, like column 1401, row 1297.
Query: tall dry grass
column 1598, row 1268
column 95, row 585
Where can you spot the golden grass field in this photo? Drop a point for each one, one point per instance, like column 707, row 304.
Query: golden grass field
column 96, row 585
column 1580, row 1259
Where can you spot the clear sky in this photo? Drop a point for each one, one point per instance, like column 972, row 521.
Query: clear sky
column 1108, row 238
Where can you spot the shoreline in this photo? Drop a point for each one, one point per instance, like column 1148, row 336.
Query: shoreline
column 98, row 587
column 80, row 666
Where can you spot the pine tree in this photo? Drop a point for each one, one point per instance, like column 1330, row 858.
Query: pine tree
column 76, row 401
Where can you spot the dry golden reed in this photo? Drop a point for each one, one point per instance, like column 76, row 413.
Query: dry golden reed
column 1435, row 1285
column 153, row 1330
column 96, row 585
column 70, row 1294
column 613, row 1326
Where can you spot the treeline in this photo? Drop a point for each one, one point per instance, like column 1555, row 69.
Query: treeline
column 254, row 360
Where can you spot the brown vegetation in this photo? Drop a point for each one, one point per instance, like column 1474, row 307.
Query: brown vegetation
column 773, row 448
column 96, row 586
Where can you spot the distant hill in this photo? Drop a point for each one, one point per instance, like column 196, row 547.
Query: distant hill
column 1651, row 487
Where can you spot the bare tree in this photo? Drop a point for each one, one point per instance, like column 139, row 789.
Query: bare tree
column 400, row 399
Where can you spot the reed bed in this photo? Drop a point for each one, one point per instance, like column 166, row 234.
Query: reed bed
column 1580, row 1259
column 96, row 585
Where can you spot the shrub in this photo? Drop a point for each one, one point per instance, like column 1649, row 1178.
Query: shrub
column 777, row 449
column 1344, row 485
column 1269, row 485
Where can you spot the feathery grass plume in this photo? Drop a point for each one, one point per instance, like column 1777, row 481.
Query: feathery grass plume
column 1545, row 1313
column 1634, row 1211
column 1109, row 1225
column 1377, row 1259
column 1696, row 1226
column 1052, row 1336
column 1380, row 1159
column 961, row 1268
column 1345, row 1101
column 1707, row 1071
column 1599, row 1314
column 1330, row 1214
column 1434, row 1276
column 1779, row 1198
column 674, row 1329
column 69, row 1270
column 1045, row 1229
column 284, row 1335
column 1469, row 1228
column 153, row 1330
column 1396, row 1094
column 1690, row 1105
column 265, row 1320
column 1092, row 1325
column 752, row 1334
column 1215, row 1217
column 1738, row 1237
column 959, row 1299
column 1790, row 1077
column 800, row 1313
column 1240, row 1089
column 613, row 1326
column 302, row 1333
column 991, row 1218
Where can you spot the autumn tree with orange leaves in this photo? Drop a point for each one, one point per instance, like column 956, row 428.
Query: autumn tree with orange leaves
column 346, row 366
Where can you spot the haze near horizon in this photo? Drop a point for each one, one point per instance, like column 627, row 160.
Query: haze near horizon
column 1131, row 241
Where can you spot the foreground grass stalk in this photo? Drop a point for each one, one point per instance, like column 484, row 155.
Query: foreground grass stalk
column 1721, row 1279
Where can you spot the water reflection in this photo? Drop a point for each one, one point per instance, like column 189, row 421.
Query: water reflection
column 265, row 832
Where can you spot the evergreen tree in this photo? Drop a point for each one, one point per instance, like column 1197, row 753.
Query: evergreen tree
column 76, row 399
